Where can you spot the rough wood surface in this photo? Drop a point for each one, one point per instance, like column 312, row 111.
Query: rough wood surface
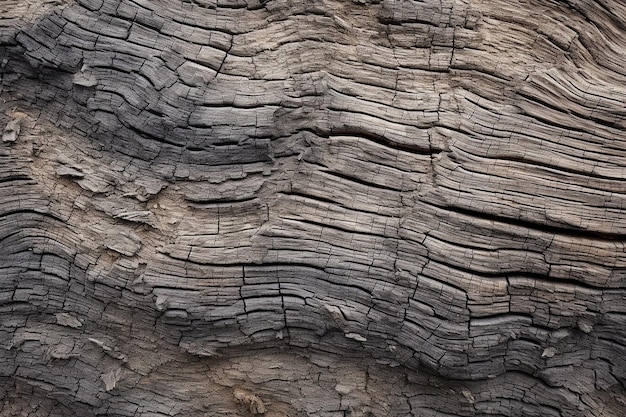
column 313, row 208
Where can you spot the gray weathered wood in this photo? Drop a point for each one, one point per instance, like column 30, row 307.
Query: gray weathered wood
column 322, row 208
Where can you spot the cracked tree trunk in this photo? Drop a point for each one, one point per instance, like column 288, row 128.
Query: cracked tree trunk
column 313, row 208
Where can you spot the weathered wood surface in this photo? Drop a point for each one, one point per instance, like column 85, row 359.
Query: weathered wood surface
column 322, row 208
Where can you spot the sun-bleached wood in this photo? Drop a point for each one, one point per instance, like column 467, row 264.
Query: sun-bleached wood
column 313, row 208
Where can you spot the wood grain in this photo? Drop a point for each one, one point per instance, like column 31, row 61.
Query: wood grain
column 313, row 208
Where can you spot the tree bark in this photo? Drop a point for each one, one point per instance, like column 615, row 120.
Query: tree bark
column 313, row 208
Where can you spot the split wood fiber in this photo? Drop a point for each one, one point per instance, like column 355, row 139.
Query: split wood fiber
column 313, row 208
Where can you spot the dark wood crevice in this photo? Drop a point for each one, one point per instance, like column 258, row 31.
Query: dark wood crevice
column 365, row 211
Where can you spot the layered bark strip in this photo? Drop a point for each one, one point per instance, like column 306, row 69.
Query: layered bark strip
column 313, row 208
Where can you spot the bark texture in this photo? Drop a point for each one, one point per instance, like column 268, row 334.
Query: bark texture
column 313, row 208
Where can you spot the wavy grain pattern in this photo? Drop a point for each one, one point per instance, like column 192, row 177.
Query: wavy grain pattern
column 313, row 208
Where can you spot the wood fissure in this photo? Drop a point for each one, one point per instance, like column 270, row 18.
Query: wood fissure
column 312, row 208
